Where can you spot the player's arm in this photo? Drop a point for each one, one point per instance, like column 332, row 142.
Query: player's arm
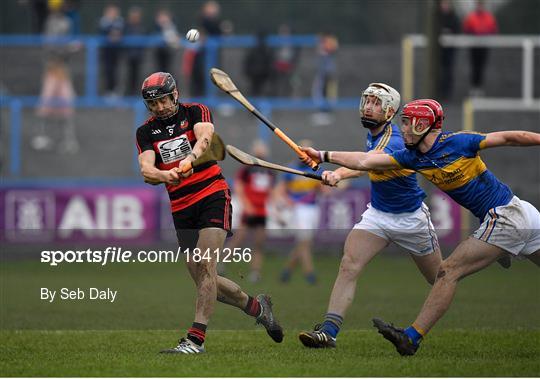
column 153, row 175
column 332, row 178
column 362, row 161
column 510, row 138
column 354, row 160
column 203, row 133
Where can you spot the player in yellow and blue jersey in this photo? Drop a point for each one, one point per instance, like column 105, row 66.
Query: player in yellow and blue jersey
column 300, row 193
column 396, row 214
column 451, row 162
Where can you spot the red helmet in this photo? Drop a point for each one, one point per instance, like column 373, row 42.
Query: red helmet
column 158, row 85
column 418, row 115
column 436, row 107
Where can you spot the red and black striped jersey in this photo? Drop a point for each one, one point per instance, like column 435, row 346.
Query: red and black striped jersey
column 258, row 183
column 172, row 140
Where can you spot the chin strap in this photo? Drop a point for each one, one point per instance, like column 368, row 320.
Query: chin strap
column 413, row 146
column 372, row 124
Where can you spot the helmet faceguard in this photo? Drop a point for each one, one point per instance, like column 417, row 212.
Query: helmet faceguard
column 390, row 100
column 422, row 116
column 157, row 86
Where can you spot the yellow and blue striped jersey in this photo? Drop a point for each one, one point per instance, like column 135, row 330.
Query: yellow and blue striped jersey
column 300, row 188
column 453, row 165
column 393, row 191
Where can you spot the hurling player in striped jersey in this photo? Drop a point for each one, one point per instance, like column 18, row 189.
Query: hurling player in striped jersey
column 396, row 214
column 176, row 135
column 509, row 226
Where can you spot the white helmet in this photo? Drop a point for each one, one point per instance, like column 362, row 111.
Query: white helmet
column 389, row 97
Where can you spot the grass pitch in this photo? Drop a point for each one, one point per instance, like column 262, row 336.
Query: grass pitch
column 491, row 329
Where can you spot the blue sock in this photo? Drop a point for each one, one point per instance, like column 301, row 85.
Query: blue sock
column 311, row 278
column 285, row 275
column 332, row 324
column 413, row 334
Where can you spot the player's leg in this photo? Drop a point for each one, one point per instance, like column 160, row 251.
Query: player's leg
column 204, row 274
column 416, row 233
column 470, row 256
column 531, row 249
column 507, row 229
column 360, row 247
column 257, row 255
column 429, row 264
column 307, row 222
column 228, row 292
column 259, row 307
column 236, row 240
column 295, row 256
column 305, row 257
column 290, row 265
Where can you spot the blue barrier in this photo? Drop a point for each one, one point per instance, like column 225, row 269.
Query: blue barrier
column 91, row 99
column 92, row 44
column 265, row 105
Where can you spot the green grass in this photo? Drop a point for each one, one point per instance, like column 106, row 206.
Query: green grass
column 252, row 353
column 492, row 328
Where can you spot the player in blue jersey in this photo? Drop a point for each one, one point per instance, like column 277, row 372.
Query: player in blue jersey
column 450, row 160
column 300, row 195
column 396, row 214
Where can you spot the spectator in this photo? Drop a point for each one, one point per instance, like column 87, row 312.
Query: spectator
column 166, row 27
column 258, row 64
column 284, row 64
column 71, row 10
column 134, row 54
column 479, row 22
column 111, row 26
column 212, row 25
column 56, row 107
column 193, row 66
column 325, row 84
column 449, row 25
column 57, row 93
column 210, row 18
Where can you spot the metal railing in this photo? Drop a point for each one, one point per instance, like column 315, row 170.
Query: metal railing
column 91, row 98
column 526, row 43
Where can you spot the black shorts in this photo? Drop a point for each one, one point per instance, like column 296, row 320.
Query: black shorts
column 254, row 221
column 212, row 211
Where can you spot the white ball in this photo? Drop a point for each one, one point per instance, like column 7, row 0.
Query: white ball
column 192, row 35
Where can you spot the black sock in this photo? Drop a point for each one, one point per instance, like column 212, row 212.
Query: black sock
column 197, row 333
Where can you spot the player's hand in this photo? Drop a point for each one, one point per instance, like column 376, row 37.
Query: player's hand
column 313, row 156
column 331, row 178
column 171, row 177
column 184, row 165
